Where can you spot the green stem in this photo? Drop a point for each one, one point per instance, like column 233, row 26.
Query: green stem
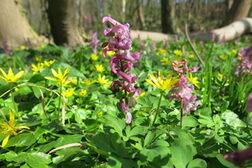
column 58, row 111
column 181, row 114
column 14, row 104
column 157, row 111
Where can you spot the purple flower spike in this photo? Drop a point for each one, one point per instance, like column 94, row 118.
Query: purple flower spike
column 245, row 65
column 122, row 63
column 94, row 42
column 182, row 91
column 249, row 103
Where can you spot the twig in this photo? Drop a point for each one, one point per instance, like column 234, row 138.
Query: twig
column 65, row 146
column 192, row 46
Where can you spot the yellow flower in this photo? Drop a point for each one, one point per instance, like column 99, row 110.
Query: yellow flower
column 37, row 68
column 83, row 92
column 177, row 52
column 9, row 128
column 100, row 114
column 165, row 61
column 191, row 56
column 94, row 57
column 99, row 68
column 220, row 76
column 161, row 51
column 234, row 51
column 103, row 81
column 23, row 47
column 87, row 82
column 60, row 77
column 160, row 82
column 72, row 81
column 68, row 93
column 223, row 57
column 49, row 63
column 100, row 52
column 10, row 77
column 42, row 46
column 193, row 80
column 110, row 53
column 37, row 58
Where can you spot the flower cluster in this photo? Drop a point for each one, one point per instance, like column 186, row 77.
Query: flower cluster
column 122, row 62
column 41, row 65
column 183, row 92
column 245, row 65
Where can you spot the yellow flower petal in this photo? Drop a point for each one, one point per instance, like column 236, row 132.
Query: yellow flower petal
column 5, row 140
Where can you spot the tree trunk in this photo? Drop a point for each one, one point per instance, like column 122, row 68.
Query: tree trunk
column 140, row 14
column 239, row 10
column 63, row 22
column 167, row 16
column 229, row 32
column 14, row 27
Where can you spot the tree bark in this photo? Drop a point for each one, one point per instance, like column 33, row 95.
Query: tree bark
column 14, row 27
column 239, row 10
column 63, row 22
column 227, row 33
column 140, row 14
column 167, row 16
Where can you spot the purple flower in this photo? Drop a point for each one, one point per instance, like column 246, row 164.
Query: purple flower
column 181, row 67
column 153, row 46
column 5, row 48
column 94, row 42
column 239, row 157
column 122, row 63
column 245, row 65
column 183, row 93
column 249, row 103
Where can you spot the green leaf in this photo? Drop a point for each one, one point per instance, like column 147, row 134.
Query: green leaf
column 189, row 121
column 34, row 159
column 21, row 140
column 138, row 130
column 182, row 150
column 68, row 139
column 80, row 115
column 206, row 120
column 233, row 139
column 116, row 123
column 38, row 160
column 149, row 138
column 157, row 153
column 224, row 162
column 37, row 92
column 197, row 163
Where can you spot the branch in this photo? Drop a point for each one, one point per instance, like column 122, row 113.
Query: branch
column 192, row 46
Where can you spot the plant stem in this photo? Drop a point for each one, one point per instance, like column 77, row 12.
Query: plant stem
column 63, row 112
column 157, row 111
column 14, row 104
column 58, row 111
column 181, row 114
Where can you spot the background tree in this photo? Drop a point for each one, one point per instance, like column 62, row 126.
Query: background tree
column 238, row 10
column 62, row 19
column 14, row 27
column 167, row 16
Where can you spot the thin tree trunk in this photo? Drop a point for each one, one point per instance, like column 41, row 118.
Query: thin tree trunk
column 239, row 10
column 167, row 16
column 63, row 22
column 14, row 27
column 140, row 14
